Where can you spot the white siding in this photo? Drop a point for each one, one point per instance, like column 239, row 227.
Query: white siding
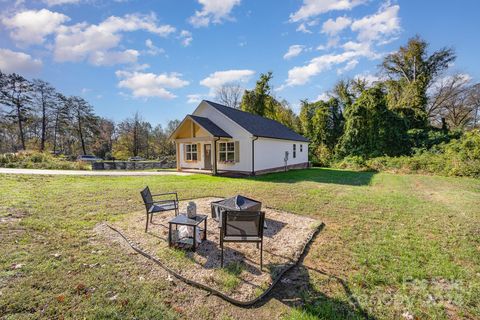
column 191, row 164
column 270, row 153
column 245, row 154
column 233, row 129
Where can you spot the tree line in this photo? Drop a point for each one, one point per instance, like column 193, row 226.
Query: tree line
column 36, row 116
column 414, row 105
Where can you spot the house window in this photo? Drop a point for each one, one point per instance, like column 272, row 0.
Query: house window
column 301, row 147
column 226, row 152
column 294, row 150
column 191, row 152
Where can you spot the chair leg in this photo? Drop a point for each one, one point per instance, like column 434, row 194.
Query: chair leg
column 146, row 226
column 261, row 255
column 221, row 259
column 151, row 217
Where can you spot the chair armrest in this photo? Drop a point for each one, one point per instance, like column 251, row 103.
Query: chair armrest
column 165, row 201
column 164, row 194
column 162, row 201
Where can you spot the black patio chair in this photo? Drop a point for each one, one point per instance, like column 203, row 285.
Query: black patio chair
column 242, row 226
column 169, row 202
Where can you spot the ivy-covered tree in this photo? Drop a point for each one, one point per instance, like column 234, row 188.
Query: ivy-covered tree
column 411, row 71
column 259, row 101
column 371, row 129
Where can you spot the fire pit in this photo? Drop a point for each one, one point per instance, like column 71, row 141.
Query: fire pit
column 236, row 203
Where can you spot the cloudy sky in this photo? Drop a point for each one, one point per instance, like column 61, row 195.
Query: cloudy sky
column 161, row 57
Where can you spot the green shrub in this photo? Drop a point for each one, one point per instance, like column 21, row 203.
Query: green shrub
column 40, row 160
column 426, row 139
column 321, row 156
column 459, row 157
column 352, row 162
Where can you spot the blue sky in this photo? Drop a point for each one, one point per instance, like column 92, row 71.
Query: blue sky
column 161, row 57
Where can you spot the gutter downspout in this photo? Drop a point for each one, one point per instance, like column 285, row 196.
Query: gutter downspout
column 253, row 155
column 215, row 156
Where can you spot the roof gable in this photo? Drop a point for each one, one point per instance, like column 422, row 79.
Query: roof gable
column 257, row 125
column 211, row 127
column 205, row 123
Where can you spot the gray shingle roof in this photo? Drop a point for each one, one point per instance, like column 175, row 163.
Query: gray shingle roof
column 211, row 127
column 257, row 125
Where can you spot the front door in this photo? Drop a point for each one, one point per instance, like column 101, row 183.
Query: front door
column 207, row 156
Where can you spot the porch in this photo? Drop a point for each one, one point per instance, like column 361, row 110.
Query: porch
column 201, row 146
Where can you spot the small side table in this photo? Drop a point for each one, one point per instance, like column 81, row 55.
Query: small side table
column 183, row 220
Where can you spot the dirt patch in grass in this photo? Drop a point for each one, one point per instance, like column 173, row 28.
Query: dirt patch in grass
column 11, row 214
column 241, row 277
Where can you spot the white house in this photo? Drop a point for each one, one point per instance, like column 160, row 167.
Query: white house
column 224, row 140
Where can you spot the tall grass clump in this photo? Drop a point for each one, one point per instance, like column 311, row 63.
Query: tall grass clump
column 40, row 160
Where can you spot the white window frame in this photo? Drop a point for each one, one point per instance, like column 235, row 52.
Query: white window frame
column 190, row 153
column 294, row 150
column 226, row 152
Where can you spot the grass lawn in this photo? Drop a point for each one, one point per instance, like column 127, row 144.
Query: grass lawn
column 393, row 246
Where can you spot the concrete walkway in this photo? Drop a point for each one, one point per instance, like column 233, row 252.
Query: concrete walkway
column 92, row 173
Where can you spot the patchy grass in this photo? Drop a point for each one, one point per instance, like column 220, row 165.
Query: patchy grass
column 394, row 246
column 229, row 276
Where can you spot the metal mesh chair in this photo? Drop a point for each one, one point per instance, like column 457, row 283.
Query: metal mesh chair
column 168, row 202
column 242, row 226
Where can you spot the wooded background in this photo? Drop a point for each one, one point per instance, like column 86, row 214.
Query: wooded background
column 416, row 104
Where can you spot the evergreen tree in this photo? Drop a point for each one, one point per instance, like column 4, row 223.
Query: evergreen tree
column 16, row 93
column 44, row 99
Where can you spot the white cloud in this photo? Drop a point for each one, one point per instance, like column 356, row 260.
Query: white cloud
column 301, row 75
column 362, row 48
column 52, row 3
column 152, row 49
column 312, row 8
column 89, row 42
column 303, row 28
column 219, row 78
column 31, row 26
column 333, row 27
column 377, row 26
column 293, row 51
column 194, row 98
column 213, row 11
column 349, row 66
column 332, row 42
column 110, row 58
column 368, row 77
column 324, row 96
column 371, row 31
column 18, row 62
column 186, row 38
column 145, row 85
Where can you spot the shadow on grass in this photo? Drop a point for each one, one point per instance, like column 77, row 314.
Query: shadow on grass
column 307, row 302
column 320, row 175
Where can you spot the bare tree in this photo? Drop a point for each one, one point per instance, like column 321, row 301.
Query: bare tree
column 475, row 102
column 229, row 95
column 455, row 100
column 443, row 93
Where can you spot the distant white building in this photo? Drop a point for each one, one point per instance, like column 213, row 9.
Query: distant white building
column 224, row 140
